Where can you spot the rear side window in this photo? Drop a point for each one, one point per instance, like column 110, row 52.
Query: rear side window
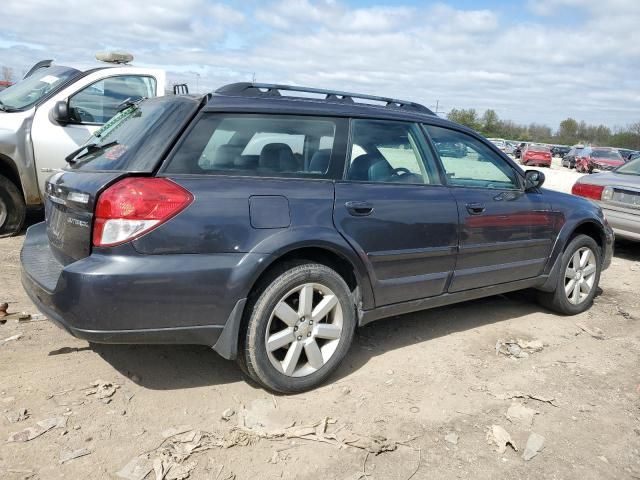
column 262, row 145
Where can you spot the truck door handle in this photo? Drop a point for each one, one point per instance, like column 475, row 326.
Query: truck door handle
column 359, row 209
column 475, row 208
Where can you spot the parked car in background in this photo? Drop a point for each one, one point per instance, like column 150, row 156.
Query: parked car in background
column 517, row 152
column 499, row 142
column 510, row 147
column 598, row 158
column 271, row 226
column 618, row 193
column 626, row 153
column 633, row 156
column 569, row 160
column 536, row 155
column 49, row 114
column 560, row 150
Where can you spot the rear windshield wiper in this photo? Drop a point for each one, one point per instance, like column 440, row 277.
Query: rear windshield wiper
column 6, row 108
column 90, row 148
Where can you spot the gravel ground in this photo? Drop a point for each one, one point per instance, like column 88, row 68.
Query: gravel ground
column 430, row 383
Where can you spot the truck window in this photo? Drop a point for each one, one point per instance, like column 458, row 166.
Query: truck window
column 100, row 101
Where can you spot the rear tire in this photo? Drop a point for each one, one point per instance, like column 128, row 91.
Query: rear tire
column 578, row 278
column 12, row 208
column 298, row 329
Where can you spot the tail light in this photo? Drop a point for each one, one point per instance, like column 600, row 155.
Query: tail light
column 587, row 190
column 135, row 206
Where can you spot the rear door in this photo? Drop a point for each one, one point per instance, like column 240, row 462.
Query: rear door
column 394, row 211
column 505, row 233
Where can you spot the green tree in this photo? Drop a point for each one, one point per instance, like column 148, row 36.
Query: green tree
column 568, row 131
column 491, row 124
column 467, row 117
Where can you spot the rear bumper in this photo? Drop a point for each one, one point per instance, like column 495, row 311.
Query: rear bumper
column 166, row 299
column 625, row 225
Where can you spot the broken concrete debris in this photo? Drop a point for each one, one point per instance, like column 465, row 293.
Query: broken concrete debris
column 102, row 390
column 18, row 415
column 501, row 438
column 41, row 427
column 518, row 348
column 68, row 455
column 535, row 444
column 452, row 438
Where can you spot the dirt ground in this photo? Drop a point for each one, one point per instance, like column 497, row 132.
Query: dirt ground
column 430, row 383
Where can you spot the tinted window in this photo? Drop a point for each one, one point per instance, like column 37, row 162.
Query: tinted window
column 272, row 145
column 100, row 101
column 476, row 165
column 388, row 152
column 611, row 154
column 136, row 138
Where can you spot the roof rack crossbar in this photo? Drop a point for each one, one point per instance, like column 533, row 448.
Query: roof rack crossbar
column 272, row 90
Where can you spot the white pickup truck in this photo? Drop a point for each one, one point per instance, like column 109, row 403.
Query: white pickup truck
column 49, row 114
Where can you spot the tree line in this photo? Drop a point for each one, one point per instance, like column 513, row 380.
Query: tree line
column 570, row 131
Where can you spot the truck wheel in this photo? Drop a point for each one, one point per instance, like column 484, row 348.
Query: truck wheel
column 299, row 329
column 12, row 208
column 578, row 279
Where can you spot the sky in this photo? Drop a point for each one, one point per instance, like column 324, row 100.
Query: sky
column 531, row 60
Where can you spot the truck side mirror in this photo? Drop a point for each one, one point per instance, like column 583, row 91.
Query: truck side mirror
column 533, row 179
column 60, row 112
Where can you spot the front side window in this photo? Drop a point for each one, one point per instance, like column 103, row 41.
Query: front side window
column 100, row 101
column 269, row 145
column 388, row 152
column 473, row 165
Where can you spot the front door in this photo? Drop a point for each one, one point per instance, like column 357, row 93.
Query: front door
column 89, row 108
column 505, row 232
column 394, row 211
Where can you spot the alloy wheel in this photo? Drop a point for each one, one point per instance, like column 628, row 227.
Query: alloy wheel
column 3, row 212
column 304, row 330
column 580, row 275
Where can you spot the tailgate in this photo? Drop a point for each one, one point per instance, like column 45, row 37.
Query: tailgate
column 69, row 206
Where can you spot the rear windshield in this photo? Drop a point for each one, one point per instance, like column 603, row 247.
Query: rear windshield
column 136, row 139
column 612, row 154
column 260, row 145
column 539, row 148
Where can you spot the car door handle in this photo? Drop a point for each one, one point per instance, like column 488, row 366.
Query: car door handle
column 475, row 208
column 359, row 209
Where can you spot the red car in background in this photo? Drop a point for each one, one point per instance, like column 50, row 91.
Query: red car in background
column 598, row 158
column 534, row 154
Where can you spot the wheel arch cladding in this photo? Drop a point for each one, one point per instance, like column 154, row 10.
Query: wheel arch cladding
column 330, row 256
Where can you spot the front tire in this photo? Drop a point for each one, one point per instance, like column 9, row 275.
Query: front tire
column 578, row 279
column 12, row 208
column 298, row 329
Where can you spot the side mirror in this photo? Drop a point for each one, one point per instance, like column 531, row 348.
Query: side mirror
column 60, row 113
column 533, row 179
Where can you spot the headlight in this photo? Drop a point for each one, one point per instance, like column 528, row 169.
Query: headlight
column 607, row 193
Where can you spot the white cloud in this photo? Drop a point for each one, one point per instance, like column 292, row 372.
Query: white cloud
column 529, row 70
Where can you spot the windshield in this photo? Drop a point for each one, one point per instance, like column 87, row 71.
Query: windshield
column 136, row 138
column 610, row 154
column 27, row 92
column 630, row 168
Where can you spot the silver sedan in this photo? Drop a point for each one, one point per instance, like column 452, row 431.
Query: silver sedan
column 618, row 193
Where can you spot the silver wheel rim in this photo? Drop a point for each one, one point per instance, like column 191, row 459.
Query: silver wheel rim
column 304, row 330
column 3, row 213
column 580, row 275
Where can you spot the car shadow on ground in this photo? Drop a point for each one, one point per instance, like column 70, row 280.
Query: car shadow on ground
column 627, row 250
column 170, row 367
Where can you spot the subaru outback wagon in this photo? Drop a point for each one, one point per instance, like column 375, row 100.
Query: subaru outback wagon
column 269, row 222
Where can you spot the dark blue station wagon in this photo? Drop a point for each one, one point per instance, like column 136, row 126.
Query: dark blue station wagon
column 269, row 222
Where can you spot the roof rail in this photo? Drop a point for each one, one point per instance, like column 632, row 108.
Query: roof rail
column 247, row 89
